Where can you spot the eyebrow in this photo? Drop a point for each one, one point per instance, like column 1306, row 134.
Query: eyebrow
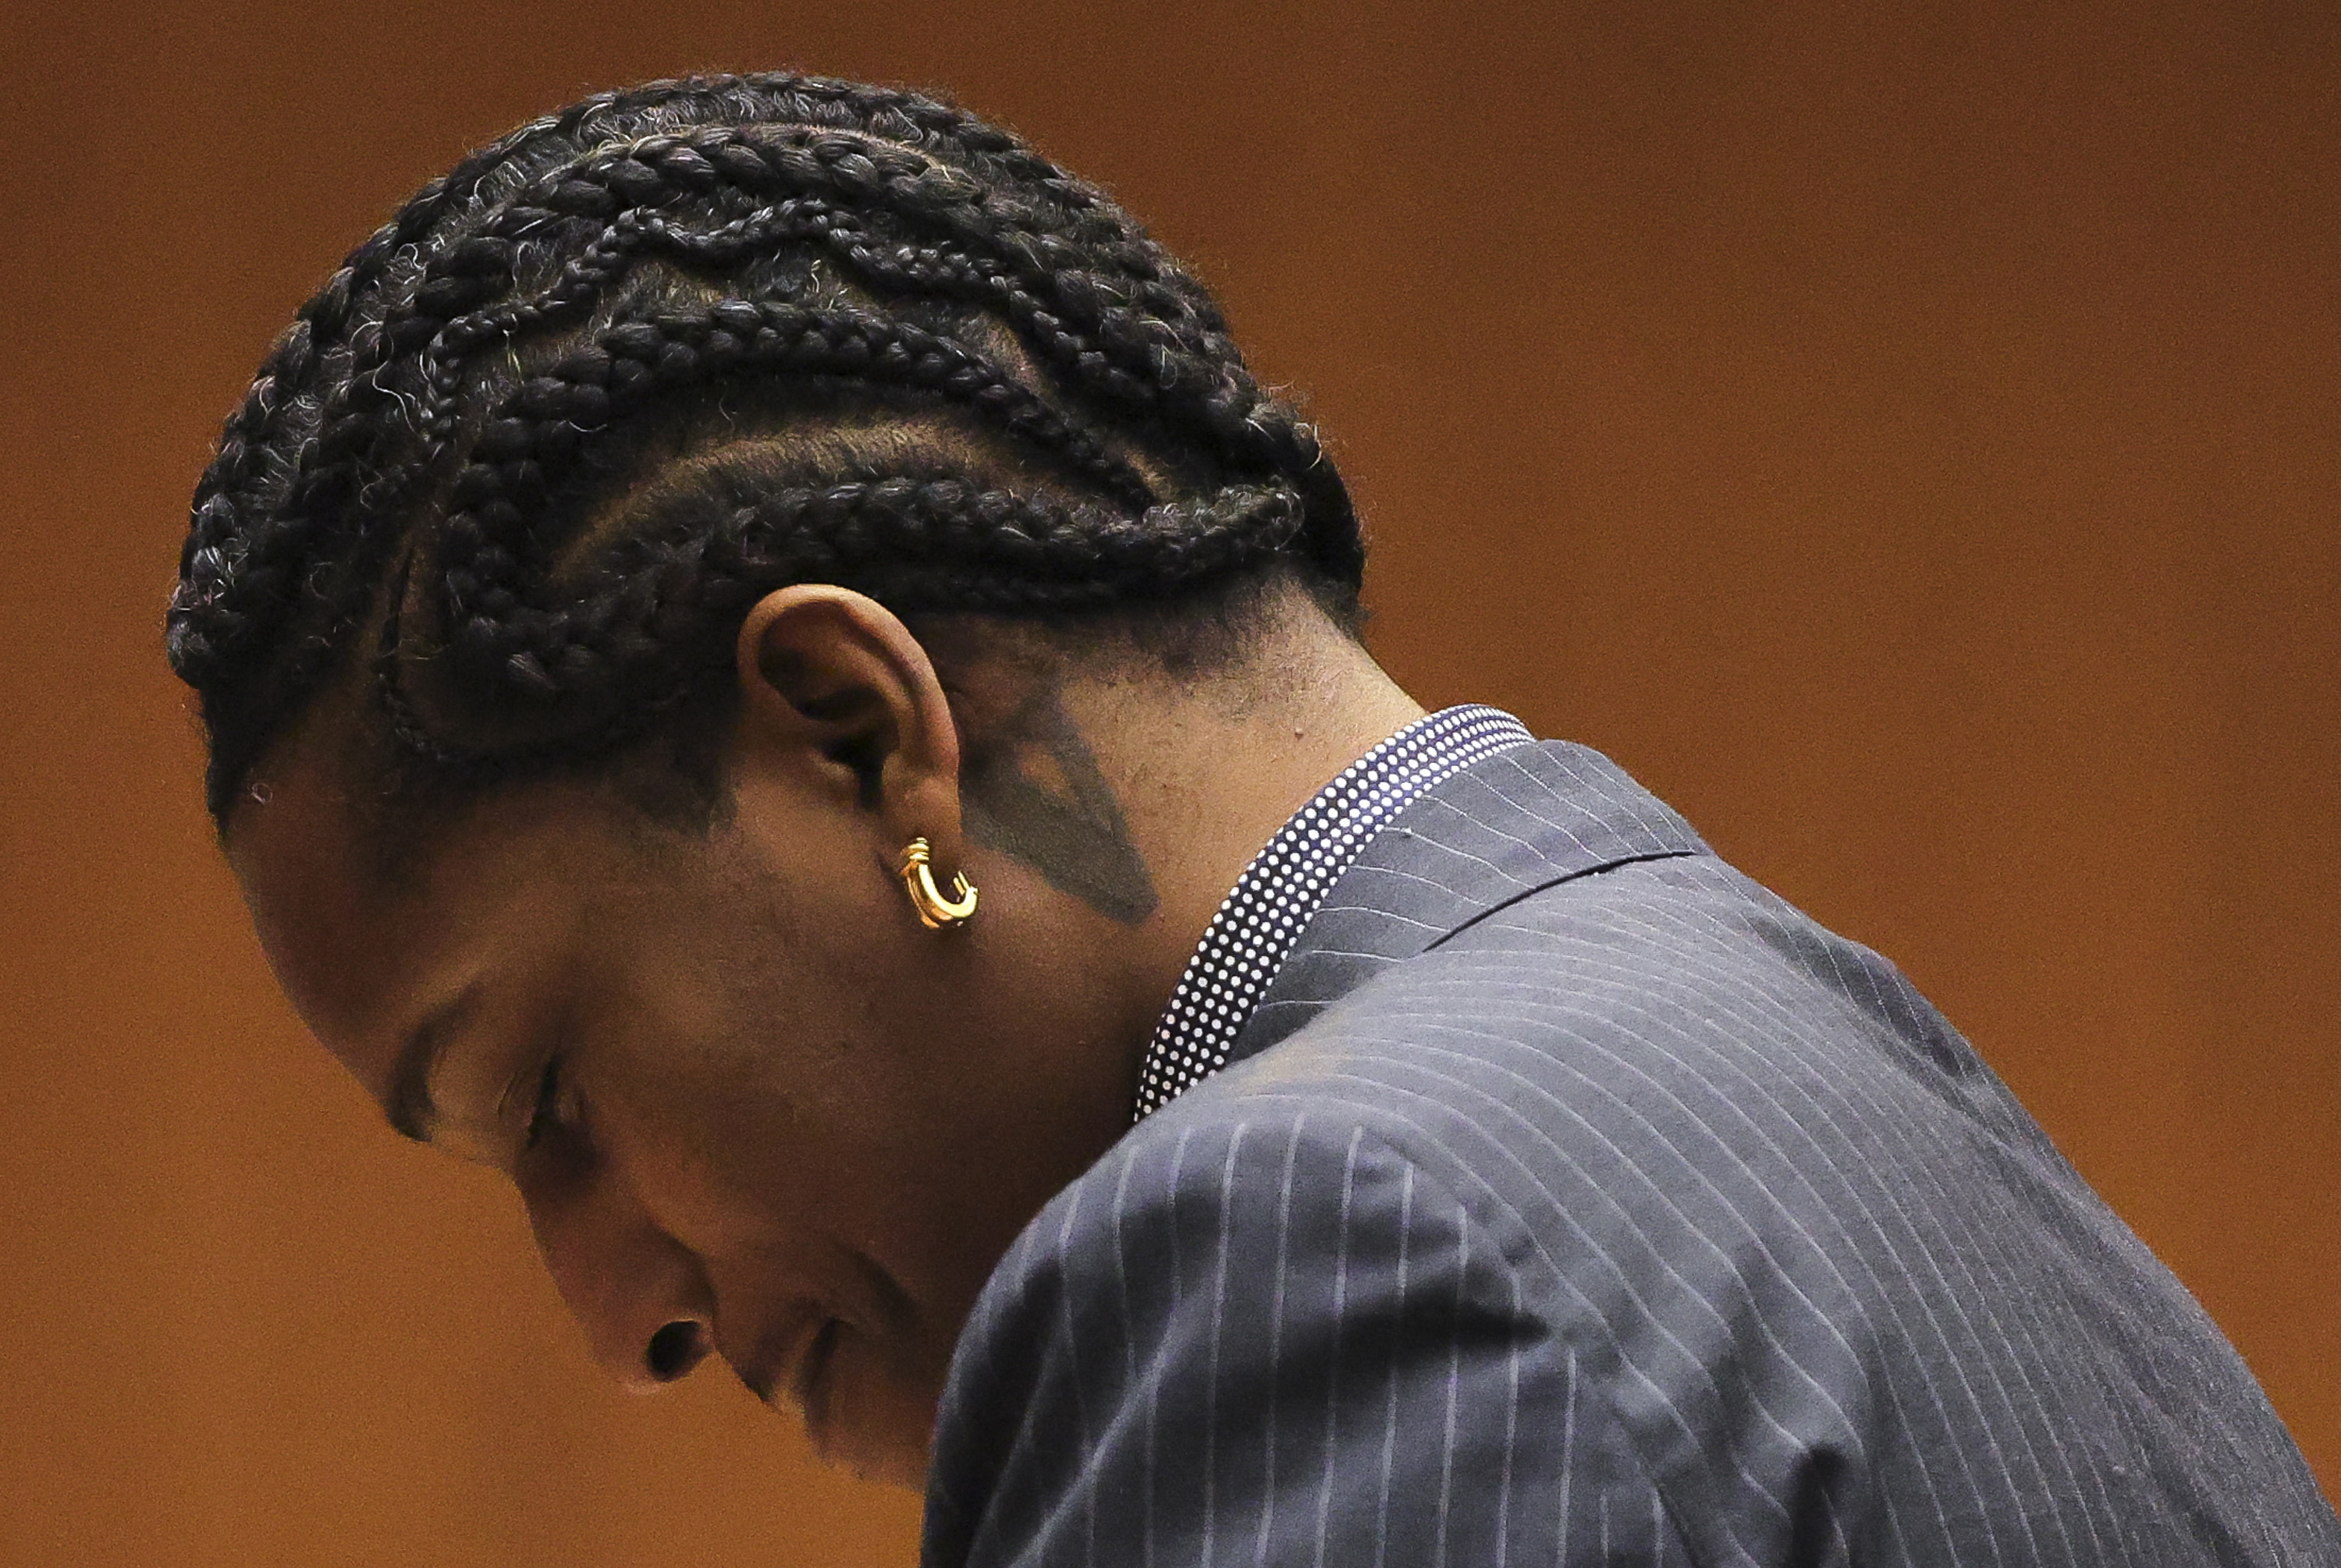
column 410, row 1109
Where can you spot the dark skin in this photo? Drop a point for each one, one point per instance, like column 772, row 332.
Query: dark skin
column 752, row 1105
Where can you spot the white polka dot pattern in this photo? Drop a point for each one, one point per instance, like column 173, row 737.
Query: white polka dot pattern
column 1258, row 924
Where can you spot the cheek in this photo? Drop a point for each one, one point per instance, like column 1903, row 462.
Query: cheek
column 738, row 1078
column 788, row 1083
column 819, row 996
column 708, row 1130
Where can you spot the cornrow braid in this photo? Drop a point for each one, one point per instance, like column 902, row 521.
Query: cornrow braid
column 452, row 474
column 631, row 654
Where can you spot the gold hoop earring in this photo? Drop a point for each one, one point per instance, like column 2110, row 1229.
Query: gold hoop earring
column 935, row 911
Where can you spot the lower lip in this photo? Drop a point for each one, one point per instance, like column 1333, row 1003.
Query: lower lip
column 810, row 1384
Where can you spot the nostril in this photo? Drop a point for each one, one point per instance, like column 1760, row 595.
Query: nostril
column 673, row 1350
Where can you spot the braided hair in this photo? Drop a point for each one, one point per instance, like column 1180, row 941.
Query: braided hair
column 518, row 471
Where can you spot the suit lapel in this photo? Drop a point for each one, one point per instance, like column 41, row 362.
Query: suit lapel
column 1498, row 831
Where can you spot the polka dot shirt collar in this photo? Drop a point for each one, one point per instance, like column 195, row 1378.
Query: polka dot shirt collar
column 1256, row 928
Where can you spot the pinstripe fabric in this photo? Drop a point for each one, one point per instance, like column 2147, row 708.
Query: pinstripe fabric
column 1573, row 1200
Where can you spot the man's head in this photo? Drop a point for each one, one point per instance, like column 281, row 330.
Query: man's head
column 526, row 459
column 665, row 518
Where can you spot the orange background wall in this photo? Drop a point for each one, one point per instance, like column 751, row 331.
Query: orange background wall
column 1906, row 434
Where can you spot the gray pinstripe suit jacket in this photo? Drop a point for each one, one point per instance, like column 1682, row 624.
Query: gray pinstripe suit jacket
column 1575, row 1200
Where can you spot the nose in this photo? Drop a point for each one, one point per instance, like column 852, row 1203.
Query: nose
column 640, row 1294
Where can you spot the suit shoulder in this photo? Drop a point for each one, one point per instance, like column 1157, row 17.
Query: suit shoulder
column 1674, row 981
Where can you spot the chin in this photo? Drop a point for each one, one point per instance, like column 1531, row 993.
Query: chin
column 886, row 1465
column 866, row 1417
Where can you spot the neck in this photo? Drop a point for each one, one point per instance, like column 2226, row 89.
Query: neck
column 1108, row 812
column 1206, row 773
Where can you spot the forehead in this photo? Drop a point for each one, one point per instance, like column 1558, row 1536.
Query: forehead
column 364, row 954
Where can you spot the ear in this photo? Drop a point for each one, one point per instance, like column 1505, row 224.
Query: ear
column 835, row 692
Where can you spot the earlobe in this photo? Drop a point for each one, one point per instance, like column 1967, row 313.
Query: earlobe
column 833, row 684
